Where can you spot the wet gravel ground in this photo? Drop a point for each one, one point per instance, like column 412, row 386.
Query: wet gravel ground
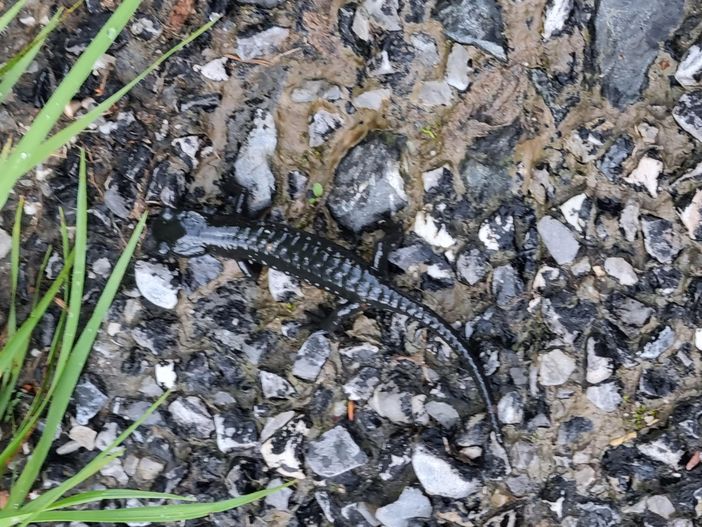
column 542, row 160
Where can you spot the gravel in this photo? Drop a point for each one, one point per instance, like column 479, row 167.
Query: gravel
column 540, row 163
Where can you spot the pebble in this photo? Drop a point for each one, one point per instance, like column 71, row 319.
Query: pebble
column 192, row 416
column 251, row 169
column 606, row 396
column 475, row 22
column 274, row 386
column 281, row 498
column 214, row 70
column 235, row 432
column 322, row 125
column 84, row 436
column 443, row 413
column 155, row 283
column 362, row 386
column 312, row 356
column 624, row 56
column 629, row 220
column 555, row 368
column 334, row 453
column 599, row 367
column 367, row 184
column 282, row 286
column 646, row 175
column 574, row 429
column 282, row 438
column 510, row 408
column 659, row 344
column 458, row 68
column 435, row 93
column 149, row 469
column 574, row 211
column 89, row 400
column 440, row 477
column 262, row 44
column 312, row 90
column 611, row 164
column 556, row 16
column 472, row 266
column 426, row 228
column 411, row 504
column 621, row 270
column 507, row 287
column 689, row 72
column 372, row 99
column 166, row 376
column 691, row 216
column 688, row 113
column 559, row 241
column 660, row 239
column 497, row 232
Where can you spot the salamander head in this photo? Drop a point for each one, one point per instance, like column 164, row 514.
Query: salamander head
column 179, row 232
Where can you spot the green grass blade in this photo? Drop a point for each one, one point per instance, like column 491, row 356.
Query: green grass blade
column 71, row 373
column 14, row 69
column 42, row 152
column 14, row 345
column 40, row 274
column 9, row 15
column 114, row 494
column 71, row 83
column 14, row 268
column 161, row 513
column 44, row 501
column 80, row 250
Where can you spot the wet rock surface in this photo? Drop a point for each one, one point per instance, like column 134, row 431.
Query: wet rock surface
column 538, row 166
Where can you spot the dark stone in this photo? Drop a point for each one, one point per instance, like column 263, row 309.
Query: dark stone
column 574, row 429
column 476, row 22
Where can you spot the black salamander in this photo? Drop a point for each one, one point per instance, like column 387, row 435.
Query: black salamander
column 318, row 262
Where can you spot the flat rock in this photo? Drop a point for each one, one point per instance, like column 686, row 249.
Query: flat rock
column 334, row 453
column 412, row 503
column 155, row 283
column 477, row 22
column 660, row 239
column 251, row 168
column 555, row 368
column 559, row 241
column 605, row 396
column 368, row 185
column 688, row 113
column 312, row 356
column 621, row 270
column 440, row 477
column 624, row 55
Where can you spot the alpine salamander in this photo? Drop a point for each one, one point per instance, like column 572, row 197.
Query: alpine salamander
column 318, row 262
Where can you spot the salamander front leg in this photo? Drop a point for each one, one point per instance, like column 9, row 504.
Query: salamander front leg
column 330, row 322
column 384, row 247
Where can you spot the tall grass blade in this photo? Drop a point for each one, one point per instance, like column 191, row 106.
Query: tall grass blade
column 71, row 83
column 72, row 370
column 42, row 152
column 115, row 494
column 9, row 15
column 14, row 268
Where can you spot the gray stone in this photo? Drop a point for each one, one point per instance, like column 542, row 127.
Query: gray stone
column 203, row 269
column 311, row 90
column 368, row 184
column 251, row 169
column 556, row 16
column 234, row 432
column 334, row 453
column 555, row 368
column 361, row 387
column 510, row 408
column 621, row 270
column 689, row 72
column 278, row 500
column 263, row 3
column 282, row 439
column 274, row 386
column 559, row 241
column 312, row 356
column 322, row 125
column 599, row 368
column 440, row 477
column 443, row 413
column 476, row 22
column 261, row 44
column 624, row 55
column 412, row 503
column 192, row 416
column 507, row 287
column 472, row 266
column 282, row 286
column 155, row 283
column 663, row 340
column 89, row 400
column 688, row 113
column 5, row 244
column 606, row 396
column 660, row 239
